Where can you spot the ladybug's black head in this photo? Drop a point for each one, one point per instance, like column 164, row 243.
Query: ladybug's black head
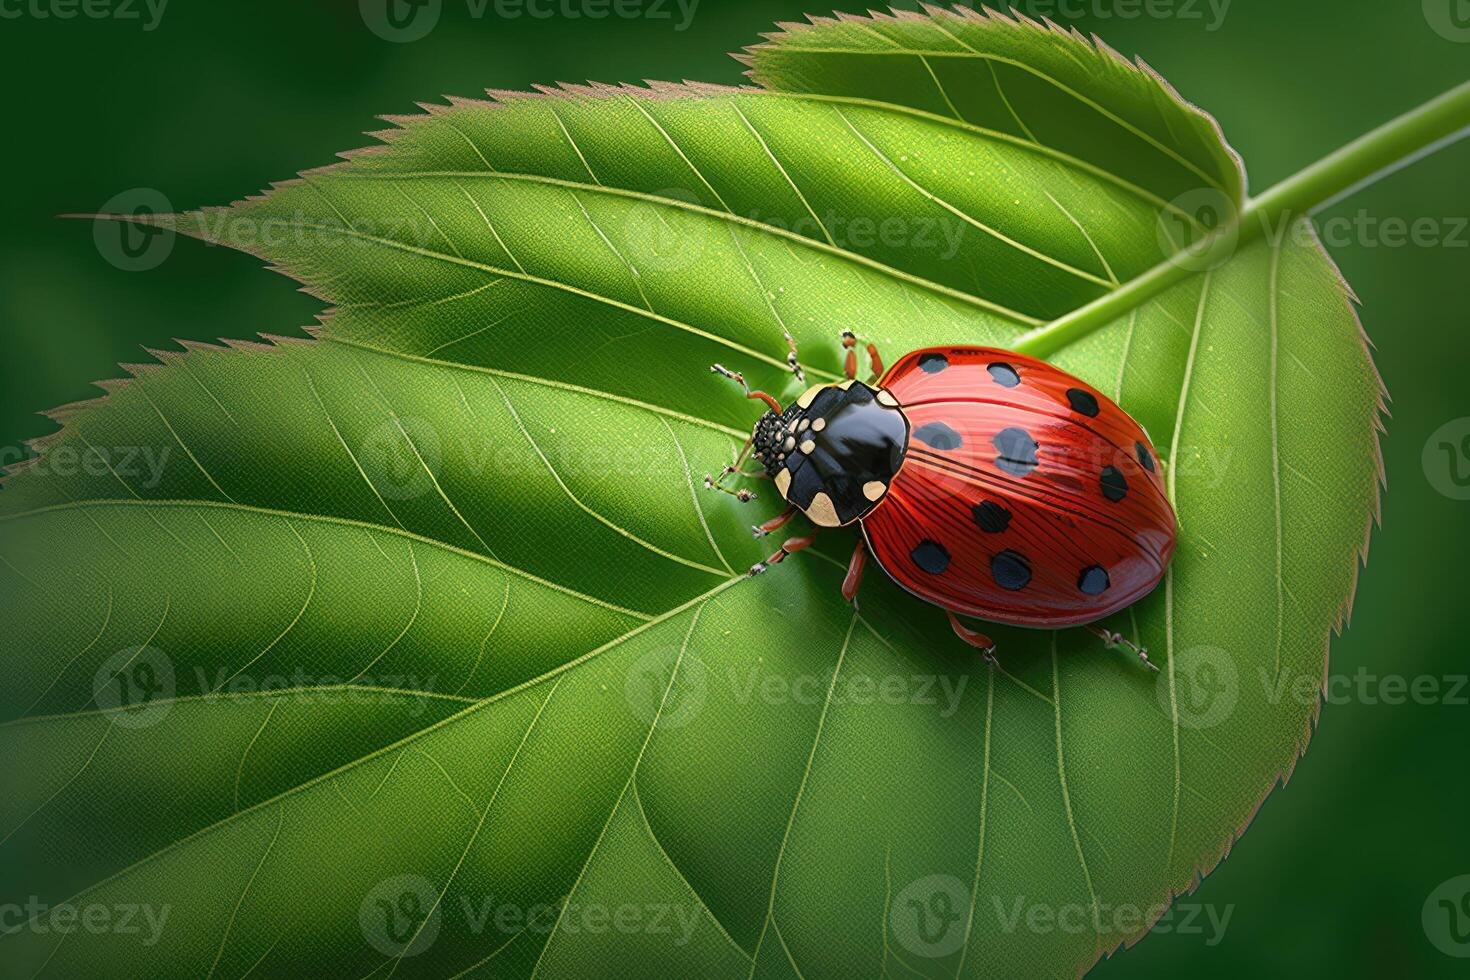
column 766, row 440
column 833, row 451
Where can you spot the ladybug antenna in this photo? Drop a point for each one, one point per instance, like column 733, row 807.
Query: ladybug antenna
column 739, row 378
column 791, row 360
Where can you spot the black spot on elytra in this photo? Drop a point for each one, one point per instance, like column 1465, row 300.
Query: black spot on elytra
column 938, row 435
column 931, row 556
column 991, row 516
column 1004, row 375
column 1017, row 451
column 933, row 363
column 1114, row 486
column 1093, row 580
column 1011, row 570
column 1145, row 458
column 1082, row 402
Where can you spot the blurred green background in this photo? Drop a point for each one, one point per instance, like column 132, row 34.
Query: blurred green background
column 219, row 98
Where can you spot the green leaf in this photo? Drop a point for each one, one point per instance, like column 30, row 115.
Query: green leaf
column 1014, row 80
column 419, row 649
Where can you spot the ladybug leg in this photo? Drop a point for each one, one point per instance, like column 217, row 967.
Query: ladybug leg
column 775, row 523
column 737, row 471
column 736, row 459
column 718, row 483
column 791, row 546
column 1114, row 640
column 978, row 640
column 739, row 379
column 743, row 495
column 854, row 579
column 849, row 364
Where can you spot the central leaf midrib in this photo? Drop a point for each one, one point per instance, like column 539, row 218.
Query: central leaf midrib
column 231, row 696
column 539, row 281
column 290, row 515
column 533, row 379
column 837, row 251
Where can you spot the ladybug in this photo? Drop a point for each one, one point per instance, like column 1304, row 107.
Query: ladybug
column 984, row 481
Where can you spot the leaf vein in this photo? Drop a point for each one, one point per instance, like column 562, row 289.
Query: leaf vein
column 800, row 791
column 968, row 218
column 595, row 515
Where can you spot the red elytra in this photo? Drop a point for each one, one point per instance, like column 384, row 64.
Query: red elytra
column 984, row 481
column 1051, row 507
